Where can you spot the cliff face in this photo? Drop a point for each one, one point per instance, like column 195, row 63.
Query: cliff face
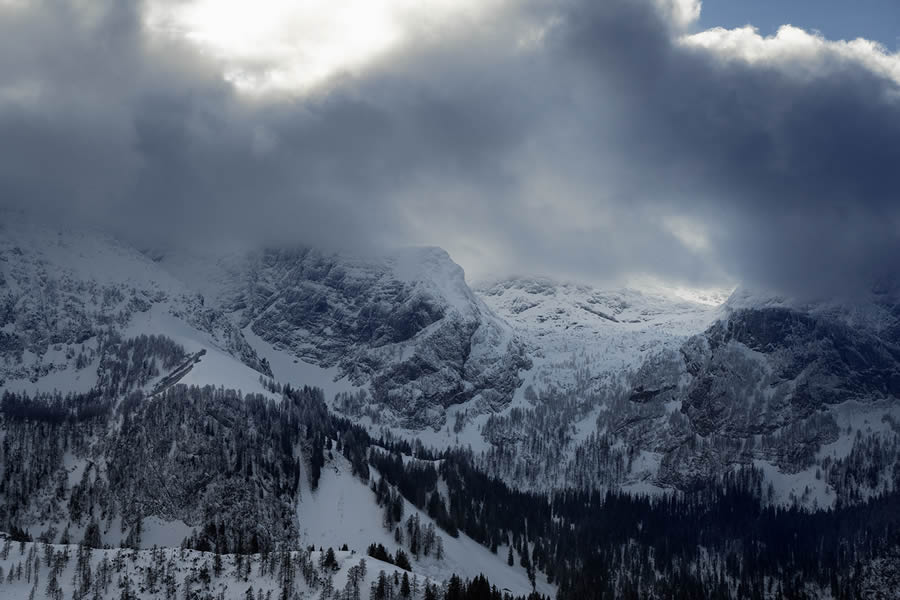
column 405, row 325
column 780, row 383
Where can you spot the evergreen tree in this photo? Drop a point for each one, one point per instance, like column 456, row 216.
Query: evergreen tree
column 405, row 590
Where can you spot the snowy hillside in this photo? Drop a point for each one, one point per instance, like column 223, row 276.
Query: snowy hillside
column 33, row 570
column 63, row 294
column 208, row 469
column 342, row 511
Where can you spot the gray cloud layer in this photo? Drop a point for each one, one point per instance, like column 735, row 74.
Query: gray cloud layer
column 607, row 147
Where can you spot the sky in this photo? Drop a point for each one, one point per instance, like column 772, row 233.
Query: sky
column 877, row 20
column 591, row 140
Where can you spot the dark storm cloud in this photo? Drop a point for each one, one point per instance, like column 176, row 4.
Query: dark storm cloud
column 575, row 139
column 795, row 172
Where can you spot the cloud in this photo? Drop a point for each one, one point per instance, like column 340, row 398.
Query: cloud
column 289, row 46
column 593, row 140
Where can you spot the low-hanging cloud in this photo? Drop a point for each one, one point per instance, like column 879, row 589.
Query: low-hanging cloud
column 594, row 140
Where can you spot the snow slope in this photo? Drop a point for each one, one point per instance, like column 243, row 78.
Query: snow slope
column 343, row 511
column 603, row 334
column 216, row 367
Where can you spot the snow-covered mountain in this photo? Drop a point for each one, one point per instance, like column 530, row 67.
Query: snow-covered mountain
column 404, row 326
column 650, row 391
column 587, row 346
column 270, row 398
column 66, row 295
column 809, row 388
column 552, row 384
column 158, row 421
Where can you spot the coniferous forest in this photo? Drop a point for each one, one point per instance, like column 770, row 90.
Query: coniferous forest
column 244, row 454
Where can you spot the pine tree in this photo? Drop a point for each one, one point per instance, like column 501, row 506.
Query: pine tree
column 92, row 537
column 430, row 592
column 402, row 560
column 404, row 586
column 330, row 561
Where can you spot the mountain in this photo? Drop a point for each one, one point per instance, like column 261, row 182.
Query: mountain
column 405, row 326
column 253, row 401
column 587, row 345
column 137, row 407
column 553, row 384
column 806, row 391
column 67, row 296
column 649, row 392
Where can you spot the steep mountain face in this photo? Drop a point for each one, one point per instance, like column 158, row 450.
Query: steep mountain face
column 406, row 326
column 801, row 387
column 641, row 391
column 798, row 363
